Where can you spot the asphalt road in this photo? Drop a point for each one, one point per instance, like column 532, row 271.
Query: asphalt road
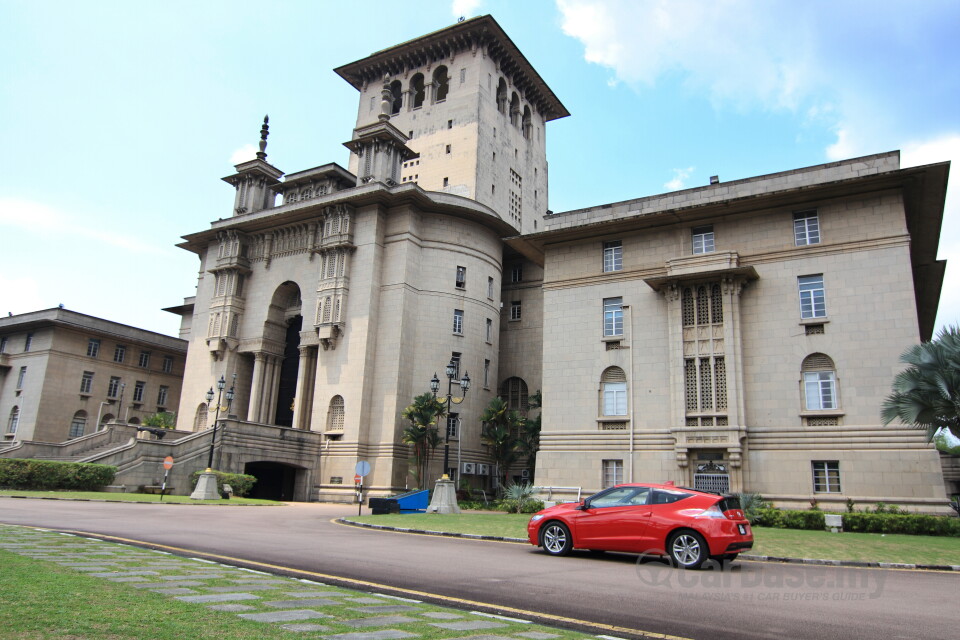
column 615, row 593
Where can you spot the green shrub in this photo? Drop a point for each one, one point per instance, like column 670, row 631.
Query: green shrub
column 473, row 504
column 752, row 503
column 510, row 506
column 778, row 519
column 240, row 482
column 46, row 475
column 915, row 524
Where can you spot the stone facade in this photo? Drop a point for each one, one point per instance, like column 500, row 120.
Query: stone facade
column 63, row 373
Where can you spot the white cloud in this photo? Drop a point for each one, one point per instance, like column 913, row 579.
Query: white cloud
column 680, row 177
column 36, row 217
column 844, row 147
column 243, row 154
column 465, row 8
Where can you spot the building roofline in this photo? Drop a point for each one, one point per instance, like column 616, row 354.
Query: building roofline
column 80, row 321
column 482, row 31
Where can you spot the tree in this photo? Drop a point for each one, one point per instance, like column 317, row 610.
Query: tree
column 528, row 440
column 926, row 395
column 162, row 419
column 499, row 433
column 422, row 433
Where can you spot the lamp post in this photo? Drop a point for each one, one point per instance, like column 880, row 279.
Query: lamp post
column 221, row 383
column 464, row 382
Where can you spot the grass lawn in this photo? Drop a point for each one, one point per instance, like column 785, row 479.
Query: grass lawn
column 133, row 497
column 790, row 543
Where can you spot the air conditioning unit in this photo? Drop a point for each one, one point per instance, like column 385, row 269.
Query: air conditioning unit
column 469, row 468
column 483, row 469
column 525, row 474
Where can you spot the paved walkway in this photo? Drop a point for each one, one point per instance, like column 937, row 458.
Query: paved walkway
column 305, row 607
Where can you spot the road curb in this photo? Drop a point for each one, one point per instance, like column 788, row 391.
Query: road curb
column 743, row 556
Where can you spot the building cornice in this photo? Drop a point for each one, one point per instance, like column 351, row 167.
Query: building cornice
column 65, row 318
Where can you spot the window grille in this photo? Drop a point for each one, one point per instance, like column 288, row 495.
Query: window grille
column 814, row 329
column 613, row 426
column 703, row 308
column 826, row 421
column 335, row 414
column 716, row 305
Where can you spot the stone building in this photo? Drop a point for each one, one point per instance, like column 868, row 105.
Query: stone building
column 740, row 335
column 64, row 374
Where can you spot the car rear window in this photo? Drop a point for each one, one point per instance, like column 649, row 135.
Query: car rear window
column 663, row 496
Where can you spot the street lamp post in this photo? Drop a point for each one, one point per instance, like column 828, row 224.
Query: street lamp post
column 221, row 383
column 464, row 382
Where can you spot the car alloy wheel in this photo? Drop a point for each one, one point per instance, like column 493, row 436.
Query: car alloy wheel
column 556, row 539
column 687, row 550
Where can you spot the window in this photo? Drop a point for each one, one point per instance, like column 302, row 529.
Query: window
column 396, row 93
column 20, row 377
column 449, row 125
column 806, row 227
column 441, row 82
column 335, row 414
column 486, row 374
column 78, row 424
column 612, row 256
column 113, row 387
column 167, row 364
column 702, row 305
column 162, row 396
column 812, row 297
column 463, row 76
column 86, row 382
column 416, row 87
column 28, row 342
column 455, row 359
column 448, row 149
column 819, row 383
column 14, row 420
column 515, row 310
column 490, row 287
column 453, row 420
column 93, row 347
column 461, row 277
column 612, row 473
column 489, row 329
column 514, row 391
column 612, row 317
column 119, row 353
column 826, row 476
column 138, row 391
column 501, row 99
column 446, row 182
column 703, row 239
column 3, row 344
column 613, row 388
column 144, row 361
column 458, row 321
column 516, row 273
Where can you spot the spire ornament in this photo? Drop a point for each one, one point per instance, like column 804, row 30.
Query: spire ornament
column 264, row 132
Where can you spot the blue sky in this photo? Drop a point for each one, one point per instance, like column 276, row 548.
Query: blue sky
column 118, row 119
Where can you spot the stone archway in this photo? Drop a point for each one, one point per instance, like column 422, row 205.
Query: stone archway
column 275, row 480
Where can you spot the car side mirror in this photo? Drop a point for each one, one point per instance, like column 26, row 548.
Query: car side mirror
column 585, row 505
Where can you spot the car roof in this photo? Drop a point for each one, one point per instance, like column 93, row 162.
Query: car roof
column 667, row 487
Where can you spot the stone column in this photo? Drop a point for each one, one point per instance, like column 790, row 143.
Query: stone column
column 256, row 388
column 272, row 388
column 301, row 403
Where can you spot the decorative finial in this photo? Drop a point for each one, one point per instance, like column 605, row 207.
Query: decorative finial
column 264, row 132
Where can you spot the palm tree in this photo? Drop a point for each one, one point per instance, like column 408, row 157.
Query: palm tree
column 499, row 433
column 926, row 395
column 421, row 433
column 528, row 440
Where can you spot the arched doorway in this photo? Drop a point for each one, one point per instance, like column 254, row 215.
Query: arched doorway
column 285, row 316
column 275, row 480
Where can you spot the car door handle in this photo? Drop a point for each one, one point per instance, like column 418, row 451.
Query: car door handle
column 647, row 514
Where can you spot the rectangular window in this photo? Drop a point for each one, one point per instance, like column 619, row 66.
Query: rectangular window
column 114, row 387
column 28, row 342
column 612, row 256
column 461, row 277
column 167, row 364
column 138, row 391
column 448, row 149
column 86, row 382
column 820, row 390
column 144, row 361
column 463, row 76
column 490, row 287
column 455, row 359
column 486, row 374
column 826, row 476
column 162, row 396
column 93, row 347
column 703, row 239
column 489, row 329
column 614, row 398
column 612, row 473
column 20, row 377
column 806, row 227
column 449, row 124
column 119, row 353
column 3, row 344
column 446, row 182
column 516, row 273
column 515, row 310
column 612, row 317
column 453, row 420
column 812, row 297
column 458, row 321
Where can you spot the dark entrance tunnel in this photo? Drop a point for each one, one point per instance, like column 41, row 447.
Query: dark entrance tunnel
column 275, row 480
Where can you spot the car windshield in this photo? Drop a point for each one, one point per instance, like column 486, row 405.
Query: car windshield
column 621, row 497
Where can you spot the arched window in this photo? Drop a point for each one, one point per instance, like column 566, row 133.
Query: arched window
column 14, row 420
column 200, row 418
column 134, row 421
column 515, row 110
column 416, row 87
column 613, row 392
column 335, row 414
column 395, row 89
column 819, row 383
column 104, row 420
column 502, row 96
column 441, row 84
column 527, row 123
column 78, row 424
column 514, row 392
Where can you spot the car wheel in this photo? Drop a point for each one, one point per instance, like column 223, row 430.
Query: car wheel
column 687, row 550
column 555, row 539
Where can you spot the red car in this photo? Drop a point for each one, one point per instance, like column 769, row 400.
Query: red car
column 687, row 525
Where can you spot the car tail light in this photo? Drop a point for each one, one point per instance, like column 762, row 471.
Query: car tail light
column 712, row 512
